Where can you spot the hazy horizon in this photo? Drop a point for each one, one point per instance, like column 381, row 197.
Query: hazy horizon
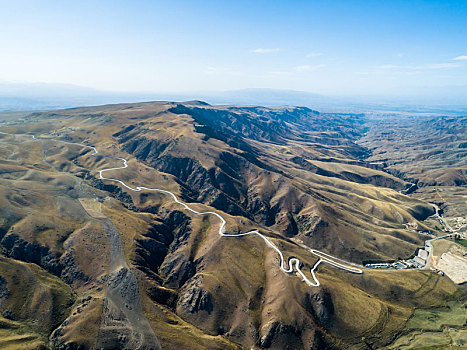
column 43, row 96
column 399, row 48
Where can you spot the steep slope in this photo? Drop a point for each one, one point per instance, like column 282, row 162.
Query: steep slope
column 290, row 169
column 295, row 174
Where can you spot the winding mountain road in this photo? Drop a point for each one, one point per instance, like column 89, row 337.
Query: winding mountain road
column 294, row 264
column 123, row 322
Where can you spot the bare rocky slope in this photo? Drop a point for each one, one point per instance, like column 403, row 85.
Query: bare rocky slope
column 291, row 169
column 296, row 174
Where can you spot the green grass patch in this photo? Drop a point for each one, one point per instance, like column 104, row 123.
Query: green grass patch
column 420, row 340
column 461, row 241
column 434, row 319
column 17, row 336
column 459, row 337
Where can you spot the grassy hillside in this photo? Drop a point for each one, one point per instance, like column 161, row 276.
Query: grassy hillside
column 295, row 174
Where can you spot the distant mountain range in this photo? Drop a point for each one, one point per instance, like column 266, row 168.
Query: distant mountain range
column 42, row 96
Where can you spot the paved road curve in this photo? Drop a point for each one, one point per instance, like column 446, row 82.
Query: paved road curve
column 294, row 264
column 123, row 322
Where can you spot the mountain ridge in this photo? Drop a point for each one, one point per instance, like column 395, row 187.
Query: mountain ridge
column 295, row 174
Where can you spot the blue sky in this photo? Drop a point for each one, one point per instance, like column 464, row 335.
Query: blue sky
column 329, row 47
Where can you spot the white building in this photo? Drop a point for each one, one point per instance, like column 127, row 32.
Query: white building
column 423, row 254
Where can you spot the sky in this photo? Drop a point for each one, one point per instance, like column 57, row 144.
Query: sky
column 327, row 47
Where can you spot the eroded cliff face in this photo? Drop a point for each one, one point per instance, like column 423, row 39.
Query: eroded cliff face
column 293, row 170
column 202, row 289
column 293, row 173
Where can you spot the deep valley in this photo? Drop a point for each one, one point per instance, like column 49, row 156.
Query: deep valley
column 90, row 263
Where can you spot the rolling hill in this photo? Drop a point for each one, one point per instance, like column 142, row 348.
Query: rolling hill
column 109, row 256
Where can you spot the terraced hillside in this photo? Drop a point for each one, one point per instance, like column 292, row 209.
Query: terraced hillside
column 128, row 263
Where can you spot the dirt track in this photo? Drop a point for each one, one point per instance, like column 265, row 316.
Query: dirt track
column 123, row 323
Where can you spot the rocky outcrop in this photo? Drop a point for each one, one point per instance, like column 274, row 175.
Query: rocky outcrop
column 375, row 179
column 70, row 271
column 319, row 304
column 178, row 267
column 63, row 266
column 162, row 250
column 60, row 343
column 304, row 330
column 114, row 190
column 3, row 288
column 152, row 249
column 143, row 148
column 272, row 330
column 277, row 335
column 17, row 248
column 195, row 299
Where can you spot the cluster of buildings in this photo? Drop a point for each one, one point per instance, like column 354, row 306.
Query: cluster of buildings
column 422, row 256
column 414, row 263
column 379, row 266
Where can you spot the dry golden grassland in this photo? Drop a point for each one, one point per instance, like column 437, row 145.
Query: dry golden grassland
column 325, row 197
